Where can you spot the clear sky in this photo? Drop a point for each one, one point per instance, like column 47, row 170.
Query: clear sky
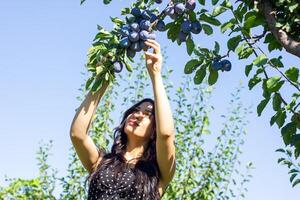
column 43, row 50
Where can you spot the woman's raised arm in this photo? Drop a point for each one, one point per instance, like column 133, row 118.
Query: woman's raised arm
column 82, row 142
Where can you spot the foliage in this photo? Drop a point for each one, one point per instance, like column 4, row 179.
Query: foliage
column 248, row 26
column 39, row 188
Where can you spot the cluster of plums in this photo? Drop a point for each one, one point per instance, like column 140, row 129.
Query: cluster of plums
column 224, row 65
column 133, row 35
column 187, row 27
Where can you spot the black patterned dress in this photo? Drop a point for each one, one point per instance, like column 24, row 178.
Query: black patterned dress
column 105, row 186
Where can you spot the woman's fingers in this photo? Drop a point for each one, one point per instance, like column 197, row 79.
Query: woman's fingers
column 152, row 55
column 153, row 44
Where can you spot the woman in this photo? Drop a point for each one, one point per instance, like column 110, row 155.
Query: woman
column 141, row 163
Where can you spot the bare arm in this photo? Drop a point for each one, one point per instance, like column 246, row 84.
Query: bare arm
column 82, row 142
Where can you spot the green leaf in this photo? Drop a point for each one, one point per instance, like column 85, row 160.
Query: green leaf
column 202, row 2
column 217, row 48
column 106, row 1
column 260, row 60
column 214, row 2
column 232, row 43
column 292, row 177
column 274, row 83
column 191, row 65
column 82, row 1
column 248, row 69
column 117, row 20
column 190, row 45
column 200, row 74
column 272, row 42
column 230, row 24
column 218, row 10
column 292, row 73
column 287, row 132
column 261, row 106
column 97, row 84
column 296, row 182
column 253, row 19
column 276, row 102
column 281, row 119
column 280, row 150
column 213, row 76
column 280, row 160
column 227, row 4
column 276, row 62
column 209, row 19
column 243, row 51
column 88, row 82
column 253, row 81
column 207, row 29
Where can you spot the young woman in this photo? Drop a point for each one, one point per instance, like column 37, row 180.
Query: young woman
column 141, row 163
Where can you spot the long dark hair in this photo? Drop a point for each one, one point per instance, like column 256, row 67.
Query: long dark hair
column 146, row 168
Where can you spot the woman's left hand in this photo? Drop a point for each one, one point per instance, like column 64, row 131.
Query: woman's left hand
column 153, row 60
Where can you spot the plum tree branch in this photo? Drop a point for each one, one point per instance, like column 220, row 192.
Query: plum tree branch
column 281, row 36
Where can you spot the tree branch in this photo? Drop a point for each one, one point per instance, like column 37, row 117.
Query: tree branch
column 281, row 36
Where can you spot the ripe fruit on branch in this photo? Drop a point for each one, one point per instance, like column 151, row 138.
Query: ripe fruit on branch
column 186, row 26
column 125, row 42
column 135, row 46
column 196, row 27
column 190, row 4
column 226, row 65
column 216, row 65
column 182, row 36
column 130, row 53
column 118, row 66
column 134, row 36
column 179, row 8
column 145, row 24
column 161, row 26
column 134, row 27
column 136, row 12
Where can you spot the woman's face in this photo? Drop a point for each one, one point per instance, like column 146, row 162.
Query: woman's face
column 143, row 116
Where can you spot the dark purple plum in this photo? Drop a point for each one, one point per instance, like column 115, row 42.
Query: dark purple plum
column 179, row 8
column 170, row 11
column 143, row 45
column 144, row 35
column 186, row 26
column 135, row 46
column 196, row 27
column 133, row 36
column 190, row 4
column 152, row 36
column 124, row 31
column 182, row 36
column 118, row 66
column 136, row 12
column 125, row 42
column 146, row 14
column 153, row 17
column 161, row 25
column 145, row 25
column 130, row 53
column 226, row 65
column 216, row 65
column 134, row 27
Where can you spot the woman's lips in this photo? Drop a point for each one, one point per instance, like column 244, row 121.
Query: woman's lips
column 131, row 122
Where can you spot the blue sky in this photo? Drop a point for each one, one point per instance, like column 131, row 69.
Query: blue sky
column 43, row 50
